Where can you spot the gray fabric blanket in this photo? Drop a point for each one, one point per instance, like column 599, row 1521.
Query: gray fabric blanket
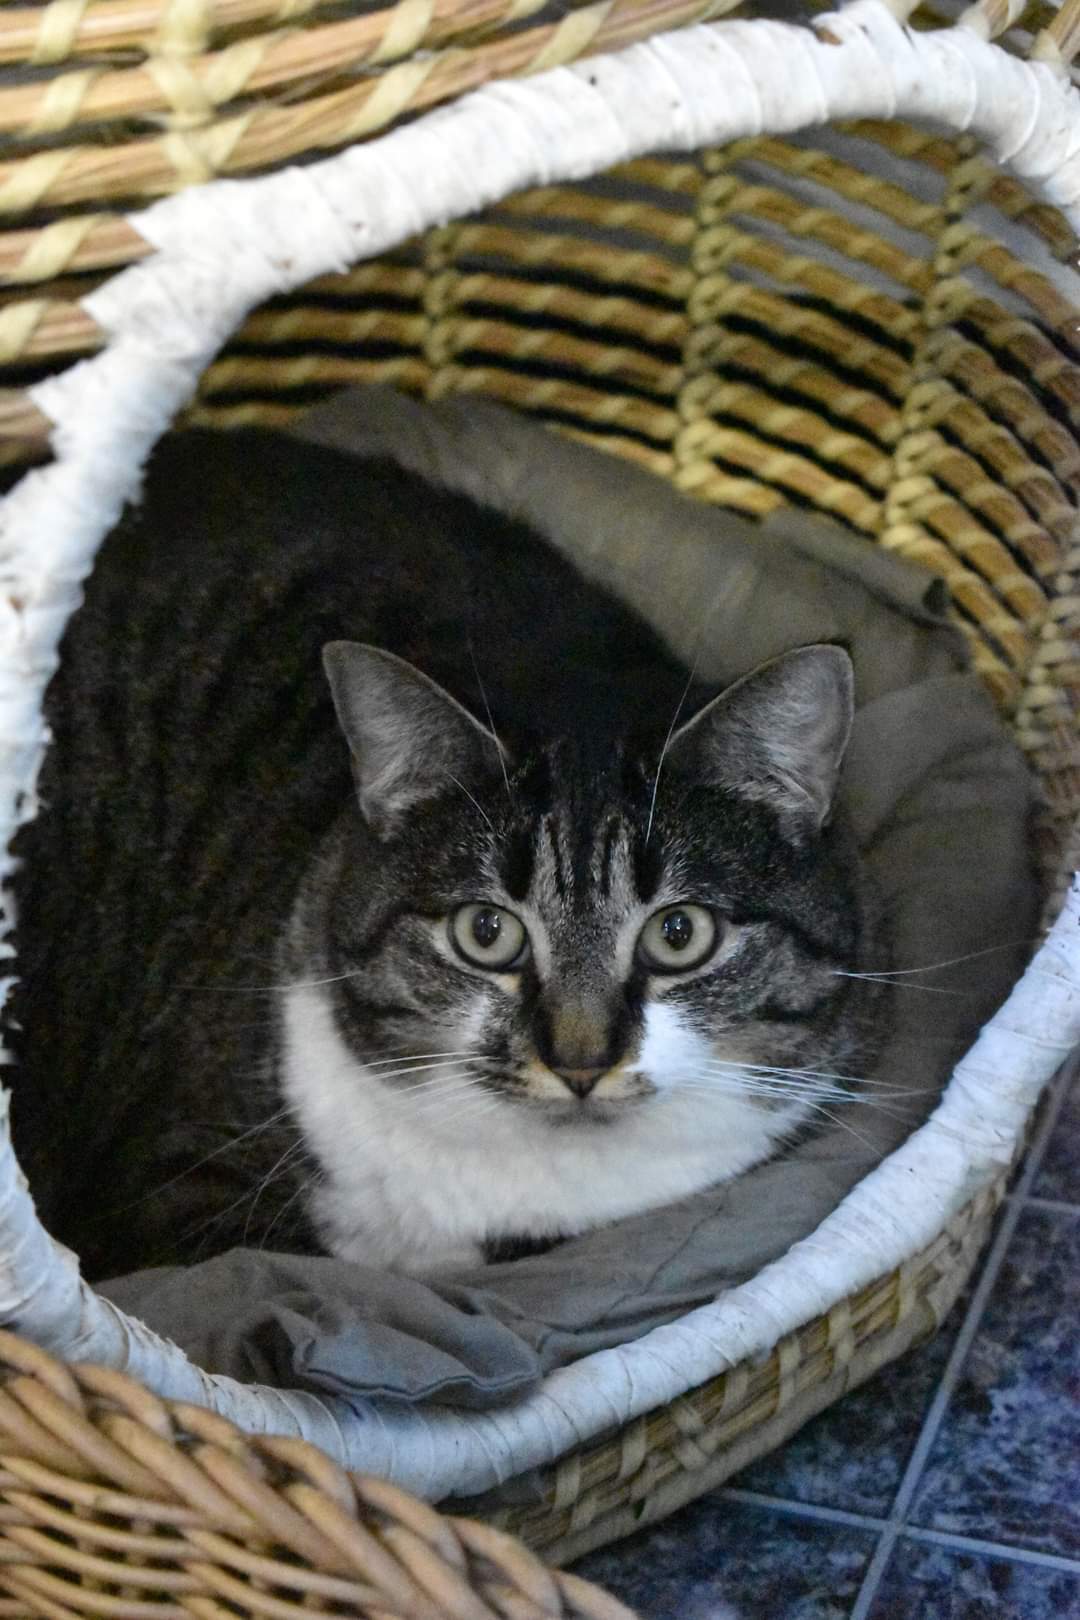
column 939, row 799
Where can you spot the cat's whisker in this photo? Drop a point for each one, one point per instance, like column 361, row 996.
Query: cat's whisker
column 459, row 1106
column 199, row 1164
column 876, row 1102
column 954, row 961
column 418, row 1068
column 450, row 1096
column 885, row 978
column 442, row 1087
column 414, row 1057
column 273, row 1174
column 795, row 1080
column 456, row 1056
column 471, row 799
column 807, row 1100
column 443, row 1069
column 734, row 1085
column 667, row 744
column 769, row 1082
column 781, row 1068
column 733, row 1090
column 442, row 1081
column 279, row 989
column 481, row 1113
column 755, row 1085
column 441, row 1093
column 406, row 1054
column 785, row 1085
column 472, row 1115
column 878, row 1151
column 491, row 722
column 202, row 1228
column 435, row 1111
column 793, row 1073
column 892, row 1094
column 302, row 1191
column 698, row 650
column 445, row 1081
column 864, row 1081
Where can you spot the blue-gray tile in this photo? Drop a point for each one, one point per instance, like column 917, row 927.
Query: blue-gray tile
column 1059, row 1174
column 853, row 1455
column 1006, row 1463
column 721, row 1560
column 922, row 1581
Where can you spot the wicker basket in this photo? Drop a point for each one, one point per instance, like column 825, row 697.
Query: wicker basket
column 872, row 320
column 117, row 1503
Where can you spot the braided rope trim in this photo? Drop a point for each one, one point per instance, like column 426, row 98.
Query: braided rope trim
column 226, row 249
column 105, row 241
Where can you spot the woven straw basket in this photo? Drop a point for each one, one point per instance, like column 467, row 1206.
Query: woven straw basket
column 873, row 319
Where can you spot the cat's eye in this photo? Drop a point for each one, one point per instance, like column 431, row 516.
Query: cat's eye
column 678, row 938
column 488, row 936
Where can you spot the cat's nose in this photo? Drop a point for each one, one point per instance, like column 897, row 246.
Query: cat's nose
column 582, row 1081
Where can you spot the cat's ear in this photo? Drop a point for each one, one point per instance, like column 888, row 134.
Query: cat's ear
column 778, row 735
column 407, row 736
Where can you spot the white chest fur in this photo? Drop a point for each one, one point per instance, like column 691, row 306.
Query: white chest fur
column 421, row 1184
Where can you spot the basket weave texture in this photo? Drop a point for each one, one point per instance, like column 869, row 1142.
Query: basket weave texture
column 116, row 1503
column 870, row 322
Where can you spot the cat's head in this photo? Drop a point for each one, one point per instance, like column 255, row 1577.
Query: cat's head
column 582, row 925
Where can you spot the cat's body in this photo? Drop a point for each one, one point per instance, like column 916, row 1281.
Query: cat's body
column 264, row 997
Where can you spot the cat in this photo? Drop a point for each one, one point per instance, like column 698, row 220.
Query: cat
column 397, row 894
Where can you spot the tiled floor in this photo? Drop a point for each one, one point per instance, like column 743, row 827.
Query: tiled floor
column 948, row 1488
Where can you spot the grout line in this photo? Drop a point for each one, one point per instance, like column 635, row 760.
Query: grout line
column 950, row 1539
column 804, row 1510
column 990, row 1549
column 1013, row 1209
column 1052, row 1206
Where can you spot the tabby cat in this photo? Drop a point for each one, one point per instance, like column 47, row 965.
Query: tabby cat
column 396, row 892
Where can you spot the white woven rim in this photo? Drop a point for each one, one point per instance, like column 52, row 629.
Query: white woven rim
column 225, row 248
